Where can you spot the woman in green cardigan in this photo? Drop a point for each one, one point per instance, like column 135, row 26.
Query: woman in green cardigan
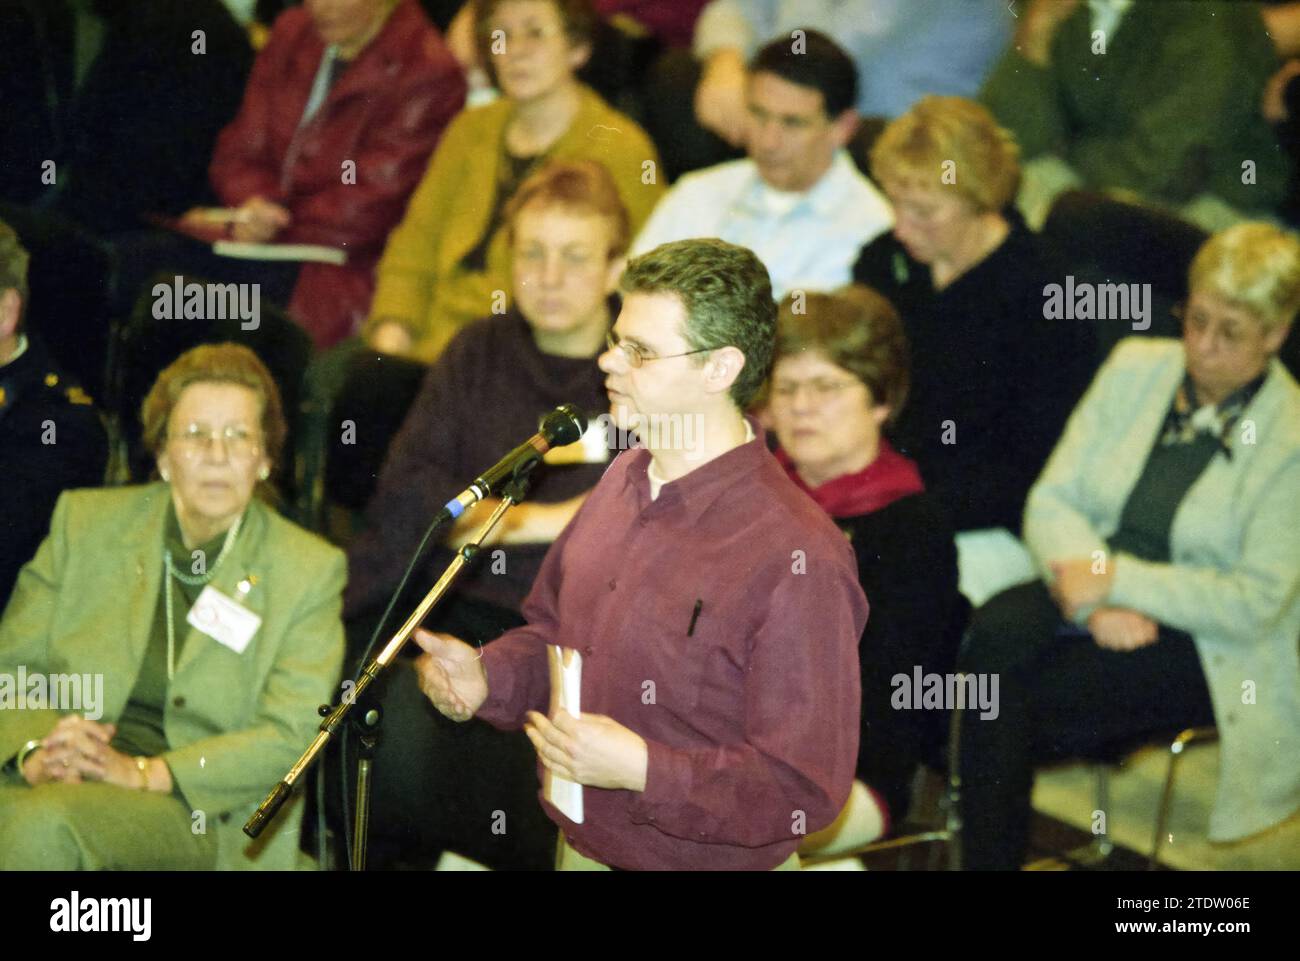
column 1165, row 525
column 203, row 630
column 448, row 261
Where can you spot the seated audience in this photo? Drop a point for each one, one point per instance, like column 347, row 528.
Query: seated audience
column 108, row 113
column 340, row 116
column 840, row 377
column 120, row 102
column 903, row 50
column 569, row 232
column 992, row 379
column 184, row 723
column 797, row 201
column 627, row 38
column 448, row 262
column 1164, row 525
column 51, row 438
column 1153, row 98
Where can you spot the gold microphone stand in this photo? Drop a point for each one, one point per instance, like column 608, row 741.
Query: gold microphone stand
column 334, row 717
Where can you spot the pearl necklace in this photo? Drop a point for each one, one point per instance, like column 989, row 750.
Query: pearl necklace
column 190, row 580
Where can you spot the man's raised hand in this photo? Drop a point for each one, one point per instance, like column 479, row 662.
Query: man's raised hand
column 451, row 674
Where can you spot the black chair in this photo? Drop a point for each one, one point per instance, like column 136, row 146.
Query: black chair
column 68, row 280
column 377, row 392
column 1099, row 240
column 144, row 345
column 1104, row 240
column 938, row 827
column 1112, row 758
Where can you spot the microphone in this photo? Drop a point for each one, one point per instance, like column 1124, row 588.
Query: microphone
column 560, row 427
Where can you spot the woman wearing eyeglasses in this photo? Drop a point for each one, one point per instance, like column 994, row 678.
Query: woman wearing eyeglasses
column 993, row 379
column 203, row 630
column 840, row 378
column 1165, row 526
column 448, row 262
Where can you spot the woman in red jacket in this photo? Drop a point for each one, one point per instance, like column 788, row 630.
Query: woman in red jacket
column 344, row 107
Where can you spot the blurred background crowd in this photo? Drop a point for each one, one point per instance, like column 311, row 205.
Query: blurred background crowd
column 436, row 199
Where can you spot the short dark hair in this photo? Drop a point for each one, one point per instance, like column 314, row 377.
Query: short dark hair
column 13, row 267
column 855, row 328
column 727, row 295
column 812, row 60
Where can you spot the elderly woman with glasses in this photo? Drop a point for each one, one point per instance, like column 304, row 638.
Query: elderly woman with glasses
column 839, row 379
column 202, row 629
column 1165, row 526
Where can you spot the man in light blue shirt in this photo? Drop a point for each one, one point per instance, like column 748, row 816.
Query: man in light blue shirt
column 904, row 49
column 797, row 200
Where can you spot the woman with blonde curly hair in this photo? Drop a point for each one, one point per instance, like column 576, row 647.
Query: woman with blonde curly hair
column 1164, row 525
column 992, row 379
column 209, row 631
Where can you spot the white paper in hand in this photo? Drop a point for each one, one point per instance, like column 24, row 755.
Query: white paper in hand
column 566, row 689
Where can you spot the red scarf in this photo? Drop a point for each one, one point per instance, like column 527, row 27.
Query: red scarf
column 888, row 478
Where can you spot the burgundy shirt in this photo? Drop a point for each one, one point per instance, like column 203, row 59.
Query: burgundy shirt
column 752, row 720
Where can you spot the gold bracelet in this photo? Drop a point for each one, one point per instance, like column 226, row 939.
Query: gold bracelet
column 24, row 752
column 142, row 765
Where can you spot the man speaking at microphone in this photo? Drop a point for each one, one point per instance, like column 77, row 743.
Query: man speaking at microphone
column 716, row 609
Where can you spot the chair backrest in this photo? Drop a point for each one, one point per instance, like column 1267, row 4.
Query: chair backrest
column 146, row 345
column 1101, row 240
column 377, row 393
column 1289, row 352
column 68, row 281
column 1104, row 240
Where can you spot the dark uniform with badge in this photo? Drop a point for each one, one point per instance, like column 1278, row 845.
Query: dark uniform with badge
column 51, row 439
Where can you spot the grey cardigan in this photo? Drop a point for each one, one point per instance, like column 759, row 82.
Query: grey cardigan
column 1234, row 581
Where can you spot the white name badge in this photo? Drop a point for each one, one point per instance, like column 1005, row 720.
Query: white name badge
column 223, row 620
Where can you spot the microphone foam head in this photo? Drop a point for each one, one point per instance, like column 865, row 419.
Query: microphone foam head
column 564, row 425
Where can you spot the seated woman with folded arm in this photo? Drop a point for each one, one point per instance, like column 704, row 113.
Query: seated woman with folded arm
column 209, row 625
column 1165, row 527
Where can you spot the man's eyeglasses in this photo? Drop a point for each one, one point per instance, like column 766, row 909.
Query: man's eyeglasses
column 636, row 356
column 196, row 438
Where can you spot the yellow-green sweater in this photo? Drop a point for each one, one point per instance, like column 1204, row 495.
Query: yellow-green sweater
column 421, row 283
